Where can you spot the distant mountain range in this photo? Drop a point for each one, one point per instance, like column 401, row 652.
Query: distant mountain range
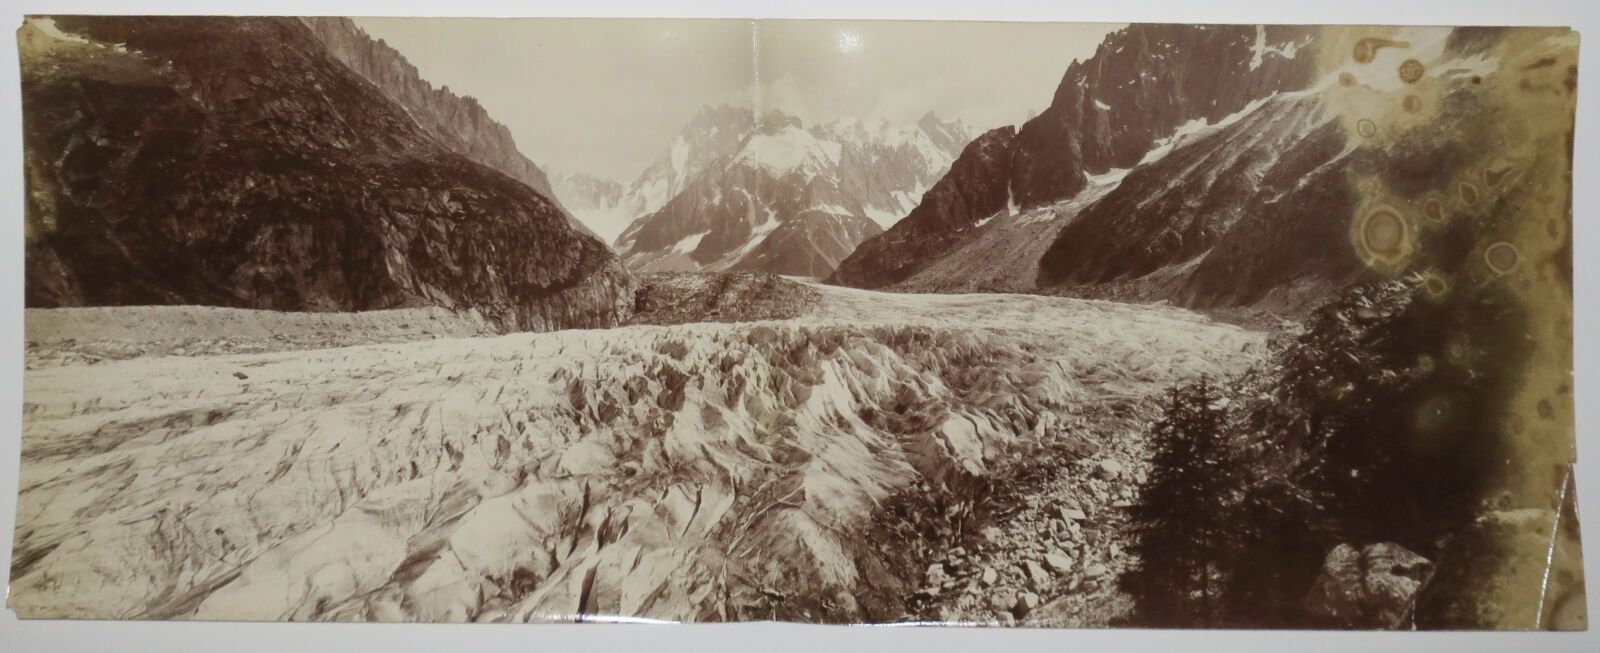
column 1197, row 164
column 737, row 191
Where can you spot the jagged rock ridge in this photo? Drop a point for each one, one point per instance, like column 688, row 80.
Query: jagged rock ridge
column 457, row 121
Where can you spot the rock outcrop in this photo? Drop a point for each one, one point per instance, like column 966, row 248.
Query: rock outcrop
column 235, row 162
column 686, row 297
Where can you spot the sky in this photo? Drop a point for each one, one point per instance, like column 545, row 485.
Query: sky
column 605, row 96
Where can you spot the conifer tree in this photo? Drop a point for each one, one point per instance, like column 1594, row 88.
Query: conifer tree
column 1181, row 518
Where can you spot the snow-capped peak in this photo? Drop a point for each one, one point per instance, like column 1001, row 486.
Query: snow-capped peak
column 791, row 149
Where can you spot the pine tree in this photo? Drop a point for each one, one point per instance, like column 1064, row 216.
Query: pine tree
column 1181, row 517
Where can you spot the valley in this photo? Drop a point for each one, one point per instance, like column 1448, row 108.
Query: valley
column 615, row 471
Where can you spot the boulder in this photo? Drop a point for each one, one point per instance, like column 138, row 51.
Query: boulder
column 1058, row 561
column 1108, row 469
column 1372, row 587
column 1026, row 602
column 1038, row 577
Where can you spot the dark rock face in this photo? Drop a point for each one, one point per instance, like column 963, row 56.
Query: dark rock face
column 1224, row 220
column 810, row 244
column 234, row 162
column 976, row 186
column 456, row 121
column 1141, row 85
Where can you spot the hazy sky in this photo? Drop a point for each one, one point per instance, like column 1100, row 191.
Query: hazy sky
column 604, row 96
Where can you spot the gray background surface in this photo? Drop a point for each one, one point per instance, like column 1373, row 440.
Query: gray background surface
column 58, row 636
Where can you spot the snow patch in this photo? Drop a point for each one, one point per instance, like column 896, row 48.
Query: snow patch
column 758, row 235
column 789, row 150
column 1261, row 49
column 679, row 155
column 833, row 209
column 1193, row 128
column 1111, row 176
column 689, row 243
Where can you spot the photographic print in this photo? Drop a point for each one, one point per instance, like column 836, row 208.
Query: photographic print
column 856, row 322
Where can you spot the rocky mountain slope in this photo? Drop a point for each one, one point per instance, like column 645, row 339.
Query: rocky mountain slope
column 236, row 162
column 793, row 200
column 1253, row 209
column 1265, row 186
column 1142, row 85
column 456, row 121
column 696, row 472
column 1235, row 213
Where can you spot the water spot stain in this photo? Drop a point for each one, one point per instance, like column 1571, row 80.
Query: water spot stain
column 1502, row 257
column 1433, row 209
column 1411, row 71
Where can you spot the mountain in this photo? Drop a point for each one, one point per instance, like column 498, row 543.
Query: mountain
column 1143, row 83
column 1231, row 215
column 456, row 121
column 712, row 135
column 238, row 162
column 1256, row 184
column 606, row 208
column 792, row 200
column 1222, row 209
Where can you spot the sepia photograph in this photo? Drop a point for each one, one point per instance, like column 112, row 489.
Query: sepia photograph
column 1036, row 324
